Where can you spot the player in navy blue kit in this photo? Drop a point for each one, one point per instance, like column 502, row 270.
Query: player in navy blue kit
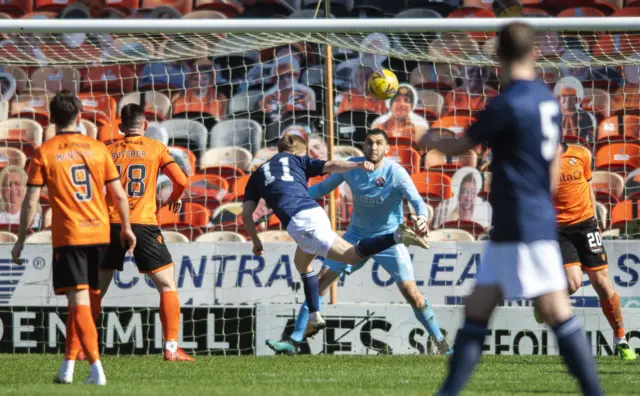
column 282, row 183
column 522, row 259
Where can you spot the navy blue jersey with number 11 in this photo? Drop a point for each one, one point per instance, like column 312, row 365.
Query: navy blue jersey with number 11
column 282, row 182
column 522, row 127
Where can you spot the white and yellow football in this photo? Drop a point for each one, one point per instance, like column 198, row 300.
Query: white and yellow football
column 383, row 84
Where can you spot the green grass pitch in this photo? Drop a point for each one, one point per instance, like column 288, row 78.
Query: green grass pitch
column 307, row 375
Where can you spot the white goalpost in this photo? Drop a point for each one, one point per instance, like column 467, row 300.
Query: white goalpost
column 220, row 93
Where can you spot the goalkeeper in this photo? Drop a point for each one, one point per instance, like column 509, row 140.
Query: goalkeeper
column 377, row 209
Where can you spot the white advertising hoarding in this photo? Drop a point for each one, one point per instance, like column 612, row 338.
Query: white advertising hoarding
column 228, row 273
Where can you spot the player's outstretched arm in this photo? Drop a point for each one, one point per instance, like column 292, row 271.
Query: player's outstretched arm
column 248, row 207
column 410, row 192
column 346, row 166
column 323, row 188
column 119, row 198
column 180, row 182
column 27, row 212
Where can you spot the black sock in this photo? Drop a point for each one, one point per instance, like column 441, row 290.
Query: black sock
column 310, row 285
column 576, row 351
column 467, row 351
column 371, row 245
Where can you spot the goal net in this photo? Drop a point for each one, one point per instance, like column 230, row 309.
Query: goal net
column 220, row 94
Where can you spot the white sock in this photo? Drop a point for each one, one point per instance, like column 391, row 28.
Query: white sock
column 171, row 346
column 622, row 340
column 96, row 369
column 67, row 367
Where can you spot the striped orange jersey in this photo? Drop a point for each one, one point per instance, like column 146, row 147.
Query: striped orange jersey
column 139, row 160
column 75, row 169
column 573, row 200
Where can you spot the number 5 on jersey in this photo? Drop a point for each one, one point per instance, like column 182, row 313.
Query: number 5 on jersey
column 550, row 130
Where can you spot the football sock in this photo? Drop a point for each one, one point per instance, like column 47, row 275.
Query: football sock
column 87, row 332
column 576, row 351
column 428, row 320
column 613, row 312
column 467, row 351
column 310, row 285
column 72, row 342
column 302, row 320
column 371, row 245
column 170, row 315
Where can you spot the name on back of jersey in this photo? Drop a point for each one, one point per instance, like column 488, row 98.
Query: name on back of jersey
column 116, row 155
column 74, row 156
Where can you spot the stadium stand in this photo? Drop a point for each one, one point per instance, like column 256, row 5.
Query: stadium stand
column 221, row 116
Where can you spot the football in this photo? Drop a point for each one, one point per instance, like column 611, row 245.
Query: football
column 383, row 84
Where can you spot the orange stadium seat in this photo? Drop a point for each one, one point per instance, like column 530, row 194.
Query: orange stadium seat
column 472, row 12
column 440, row 76
column 618, row 157
column 433, row 185
column 53, row 79
column 626, row 99
column 623, row 212
column 456, row 123
column 16, row 7
column 430, row 104
column 619, row 127
column 117, row 79
column 461, row 102
column 189, row 221
column 157, row 106
column 627, row 11
column 34, row 106
column 22, row 134
column 437, row 160
column 228, row 162
column 238, row 187
column 98, row 108
column 208, row 190
column 183, row 6
column 405, row 156
column 615, row 44
column 230, row 8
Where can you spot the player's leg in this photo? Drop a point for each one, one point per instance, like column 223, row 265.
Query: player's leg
column 290, row 344
column 76, row 275
column 479, row 305
column 345, row 252
column 397, row 262
column 467, row 348
column 612, row 309
column 540, row 266
column 310, row 285
column 154, row 259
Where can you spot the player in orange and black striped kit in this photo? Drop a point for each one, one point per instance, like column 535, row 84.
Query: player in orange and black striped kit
column 139, row 160
column 580, row 240
column 75, row 168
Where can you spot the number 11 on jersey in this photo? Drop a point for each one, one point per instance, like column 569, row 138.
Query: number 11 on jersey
column 286, row 172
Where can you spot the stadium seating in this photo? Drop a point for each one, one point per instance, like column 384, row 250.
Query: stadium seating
column 8, row 237
column 219, row 145
column 174, row 237
column 221, row 236
column 450, row 234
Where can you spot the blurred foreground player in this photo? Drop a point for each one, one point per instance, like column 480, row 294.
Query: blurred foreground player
column 522, row 259
column 139, row 159
column 580, row 240
column 75, row 169
column 282, row 182
column 377, row 209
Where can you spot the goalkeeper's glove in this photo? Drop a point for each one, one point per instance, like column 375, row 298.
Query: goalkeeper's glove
column 420, row 224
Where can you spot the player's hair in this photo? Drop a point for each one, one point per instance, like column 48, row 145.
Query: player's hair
column 380, row 132
column 515, row 42
column 292, row 144
column 131, row 115
column 64, row 108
